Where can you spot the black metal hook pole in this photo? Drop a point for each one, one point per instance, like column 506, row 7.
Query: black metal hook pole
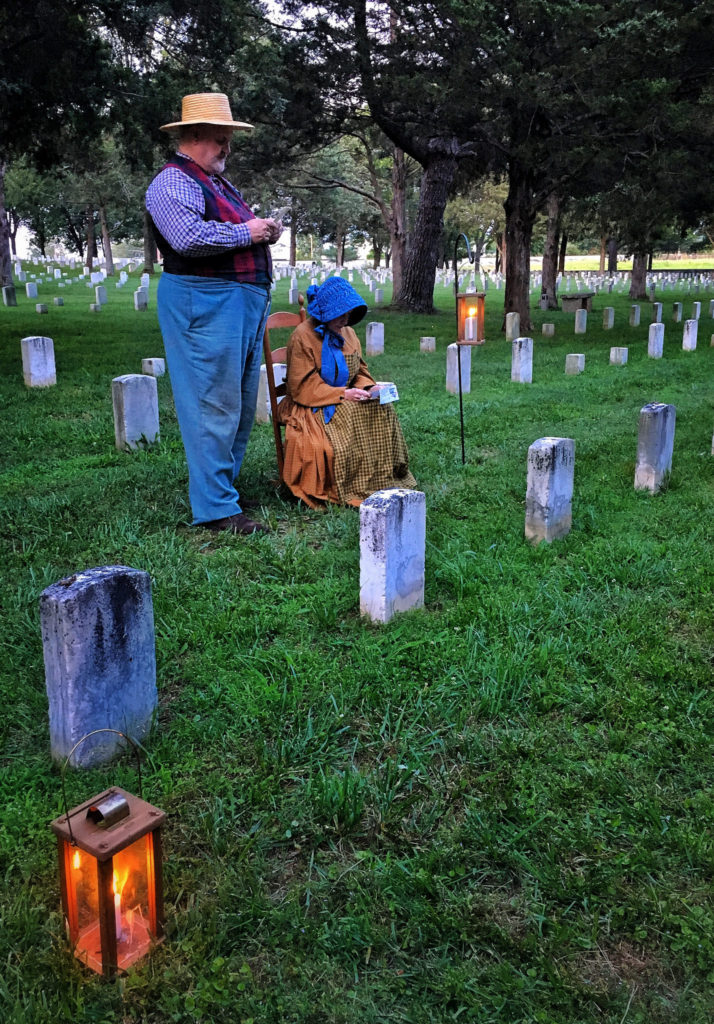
column 458, row 346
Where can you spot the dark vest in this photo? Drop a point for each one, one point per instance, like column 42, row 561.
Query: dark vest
column 249, row 264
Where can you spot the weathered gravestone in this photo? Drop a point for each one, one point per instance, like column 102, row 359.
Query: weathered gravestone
column 513, row 326
column 549, row 493
column 655, row 341
column 135, row 400
column 574, row 363
column 392, row 529
column 581, row 321
column 454, row 354
column 522, row 360
column 38, row 362
column 263, row 411
column 634, row 316
column 153, row 367
column 618, row 356
column 427, row 344
column 608, row 318
column 689, row 338
column 100, row 663
column 375, row 339
column 655, row 444
column 548, row 330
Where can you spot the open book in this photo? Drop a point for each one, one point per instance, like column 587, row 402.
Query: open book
column 385, row 391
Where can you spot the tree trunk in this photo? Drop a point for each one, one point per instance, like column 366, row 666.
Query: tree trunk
column 5, row 258
column 293, row 238
column 612, row 255
column 377, row 250
column 638, row 284
column 387, row 258
column 106, row 241
column 419, row 271
column 339, row 245
column 650, row 259
column 91, row 240
column 398, row 218
column 520, row 215
column 603, row 251
column 563, row 251
column 549, row 287
column 150, row 253
column 500, row 252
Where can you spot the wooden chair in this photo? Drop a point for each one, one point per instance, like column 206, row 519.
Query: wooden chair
column 277, row 355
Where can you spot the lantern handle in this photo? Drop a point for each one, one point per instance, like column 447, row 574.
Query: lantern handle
column 67, row 760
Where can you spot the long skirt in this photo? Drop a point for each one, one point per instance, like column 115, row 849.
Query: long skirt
column 360, row 451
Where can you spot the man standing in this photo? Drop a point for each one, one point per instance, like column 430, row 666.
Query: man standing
column 213, row 299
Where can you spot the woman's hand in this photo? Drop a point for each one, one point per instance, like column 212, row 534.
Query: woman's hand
column 356, row 395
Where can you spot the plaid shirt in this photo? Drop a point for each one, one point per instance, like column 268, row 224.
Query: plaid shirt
column 177, row 208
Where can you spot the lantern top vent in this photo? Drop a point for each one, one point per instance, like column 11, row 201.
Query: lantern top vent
column 108, row 822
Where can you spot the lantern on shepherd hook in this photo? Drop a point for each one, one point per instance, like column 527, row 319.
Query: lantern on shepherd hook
column 110, row 869
column 470, row 312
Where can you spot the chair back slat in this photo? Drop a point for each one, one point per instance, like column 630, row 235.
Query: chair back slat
column 278, row 355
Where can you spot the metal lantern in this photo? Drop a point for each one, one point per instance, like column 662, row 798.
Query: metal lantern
column 110, row 867
column 470, row 311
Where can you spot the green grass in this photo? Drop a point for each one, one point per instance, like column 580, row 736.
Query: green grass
column 497, row 809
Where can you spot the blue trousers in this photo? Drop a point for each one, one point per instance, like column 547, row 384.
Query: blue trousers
column 212, row 332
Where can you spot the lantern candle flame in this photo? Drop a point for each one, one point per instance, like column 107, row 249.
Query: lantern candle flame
column 76, row 860
column 117, row 887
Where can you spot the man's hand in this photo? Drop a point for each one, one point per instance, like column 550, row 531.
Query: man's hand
column 264, row 230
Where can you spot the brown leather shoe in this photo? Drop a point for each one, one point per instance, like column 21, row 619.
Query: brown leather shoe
column 237, row 523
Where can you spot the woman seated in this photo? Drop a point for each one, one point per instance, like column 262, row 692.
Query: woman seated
column 341, row 445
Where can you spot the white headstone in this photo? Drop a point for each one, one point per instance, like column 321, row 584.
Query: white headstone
column 100, row 295
column 100, row 662
column 454, row 354
column 689, row 339
column 581, row 321
column 135, row 400
column 618, row 356
column 608, row 318
column 38, row 362
column 655, row 341
column 154, row 367
column 141, row 299
column 427, row 344
column 522, row 360
column 634, row 316
column 574, row 363
column 696, row 310
column 375, row 339
column 513, row 326
column 379, row 296
column 263, row 412
column 677, row 312
column 392, row 529
column 655, row 444
column 549, row 494
column 31, row 290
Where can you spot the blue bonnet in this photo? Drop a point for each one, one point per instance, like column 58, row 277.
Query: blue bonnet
column 336, row 296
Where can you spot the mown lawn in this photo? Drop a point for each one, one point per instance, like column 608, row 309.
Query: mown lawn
column 498, row 808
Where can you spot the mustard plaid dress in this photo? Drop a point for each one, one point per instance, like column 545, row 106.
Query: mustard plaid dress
column 360, row 451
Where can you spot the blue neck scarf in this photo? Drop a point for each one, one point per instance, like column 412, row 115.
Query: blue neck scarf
column 333, row 368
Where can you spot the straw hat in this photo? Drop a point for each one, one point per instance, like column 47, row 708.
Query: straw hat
column 206, row 108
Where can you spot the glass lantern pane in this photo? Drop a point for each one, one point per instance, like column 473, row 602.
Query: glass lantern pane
column 84, row 895
column 133, row 900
